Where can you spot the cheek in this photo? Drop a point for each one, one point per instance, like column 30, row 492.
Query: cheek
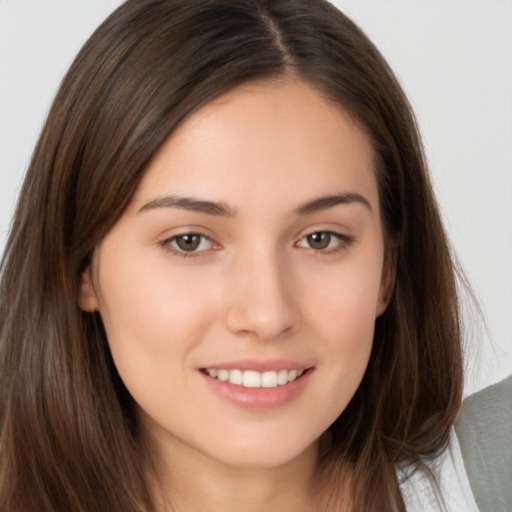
column 148, row 302
column 344, row 319
column 348, row 326
column 345, row 300
column 153, row 321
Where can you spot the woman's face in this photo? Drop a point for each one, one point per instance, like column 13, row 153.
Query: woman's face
column 253, row 252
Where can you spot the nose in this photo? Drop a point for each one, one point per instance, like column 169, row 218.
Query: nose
column 262, row 302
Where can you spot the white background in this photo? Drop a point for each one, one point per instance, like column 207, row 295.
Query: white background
column 454, row 59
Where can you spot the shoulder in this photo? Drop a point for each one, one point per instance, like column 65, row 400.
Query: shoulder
column 484, row 431
column 451, row 491
column 475, row 471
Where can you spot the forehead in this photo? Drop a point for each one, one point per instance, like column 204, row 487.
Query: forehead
column 279, row 139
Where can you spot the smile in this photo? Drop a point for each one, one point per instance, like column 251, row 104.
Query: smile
column 254, row 379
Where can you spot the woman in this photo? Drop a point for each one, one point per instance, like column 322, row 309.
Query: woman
column 227, row 283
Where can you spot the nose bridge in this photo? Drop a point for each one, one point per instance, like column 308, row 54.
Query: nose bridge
column 263, row 304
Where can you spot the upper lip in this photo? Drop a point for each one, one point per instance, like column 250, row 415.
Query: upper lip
column 259, row 365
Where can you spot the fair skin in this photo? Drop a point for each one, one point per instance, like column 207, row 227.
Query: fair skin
column 226, row 266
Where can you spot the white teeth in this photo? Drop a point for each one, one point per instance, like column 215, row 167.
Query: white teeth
column 223, row 375
column 254, row 379
column 235, row 377
column 251, row 379
column 269, row 380
column 282, row 377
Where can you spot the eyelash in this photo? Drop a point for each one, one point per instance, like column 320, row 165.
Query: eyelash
column 344, row 241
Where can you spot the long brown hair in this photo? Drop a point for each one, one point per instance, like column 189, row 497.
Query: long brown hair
column 69, row 438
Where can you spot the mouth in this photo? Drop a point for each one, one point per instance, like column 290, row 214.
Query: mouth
column 258, row 384
column 255, row 379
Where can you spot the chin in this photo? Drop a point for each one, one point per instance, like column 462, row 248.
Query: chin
column 270, row 453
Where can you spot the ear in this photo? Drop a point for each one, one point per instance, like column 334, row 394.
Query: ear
column 87, row 299
column 387, row 282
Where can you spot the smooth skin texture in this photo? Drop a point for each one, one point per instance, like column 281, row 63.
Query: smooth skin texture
column 265, row 277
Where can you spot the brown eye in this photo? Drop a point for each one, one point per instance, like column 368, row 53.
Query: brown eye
column 320, row 240
column 325, row 242
column 189, row 242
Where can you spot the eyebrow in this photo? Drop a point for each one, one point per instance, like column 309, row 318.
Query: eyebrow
column 190, row 203
column 223, row 210
column 325, row 202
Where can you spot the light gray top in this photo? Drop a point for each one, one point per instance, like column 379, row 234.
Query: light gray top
column 484, row 429
column 475, row 472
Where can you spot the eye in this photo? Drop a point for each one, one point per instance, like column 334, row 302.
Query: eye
column 328, row 241
column 188, row 243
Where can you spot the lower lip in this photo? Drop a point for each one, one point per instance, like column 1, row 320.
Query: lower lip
column 259, row 398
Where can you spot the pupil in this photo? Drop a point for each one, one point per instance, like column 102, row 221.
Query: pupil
column 319, row 240
column 188, row 242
